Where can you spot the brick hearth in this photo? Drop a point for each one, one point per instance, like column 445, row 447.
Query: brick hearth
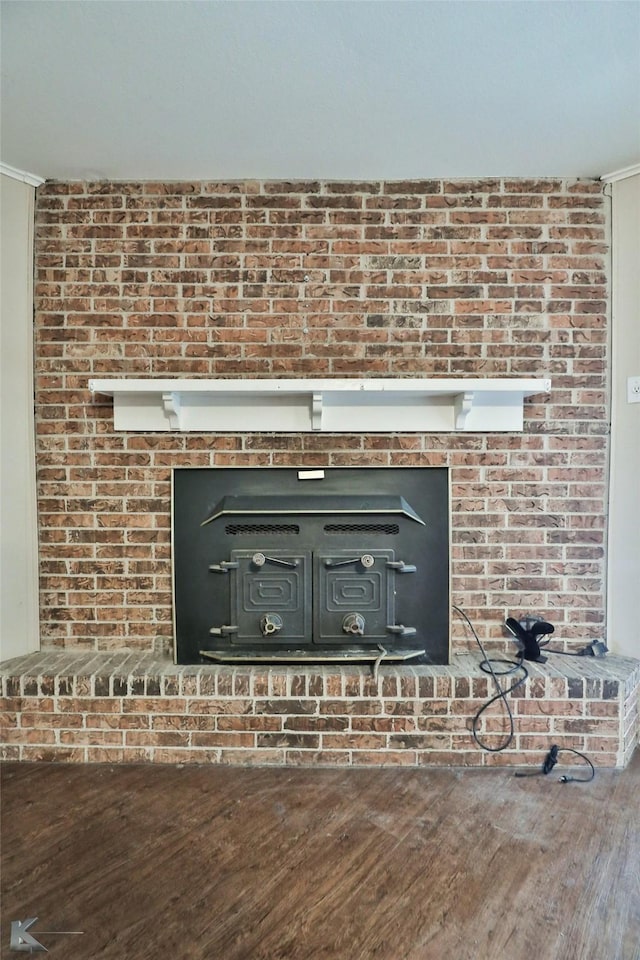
column 137, row 707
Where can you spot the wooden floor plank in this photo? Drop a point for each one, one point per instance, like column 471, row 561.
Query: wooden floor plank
column 291, row 864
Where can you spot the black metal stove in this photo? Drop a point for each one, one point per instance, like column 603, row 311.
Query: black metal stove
column 285, row 565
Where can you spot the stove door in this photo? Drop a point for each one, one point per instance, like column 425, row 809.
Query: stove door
column 270, row 595
column 354, row 596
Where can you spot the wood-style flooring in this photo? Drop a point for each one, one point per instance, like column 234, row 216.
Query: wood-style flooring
column 155, row 862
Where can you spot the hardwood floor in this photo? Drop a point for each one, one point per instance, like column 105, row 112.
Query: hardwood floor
column 333, row 864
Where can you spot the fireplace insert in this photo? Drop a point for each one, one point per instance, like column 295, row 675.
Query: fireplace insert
column 285, row 565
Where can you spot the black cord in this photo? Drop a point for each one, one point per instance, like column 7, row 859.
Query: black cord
column 547, row 766
column 550, row 761
column 587, row 651
column 486, row 665
column 563, row 653
column 592, row 771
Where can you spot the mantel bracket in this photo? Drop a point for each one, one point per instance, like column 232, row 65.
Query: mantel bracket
column 171, row 406
column 316, row 411
column 462, row 408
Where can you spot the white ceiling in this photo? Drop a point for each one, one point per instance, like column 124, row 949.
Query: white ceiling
column 303, row 89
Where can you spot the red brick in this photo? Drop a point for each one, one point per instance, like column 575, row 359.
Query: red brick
column 154, row 318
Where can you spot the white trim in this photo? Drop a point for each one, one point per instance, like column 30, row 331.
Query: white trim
column 31, row 178
column 622, row 174
column 19, row 611
column 623, row 632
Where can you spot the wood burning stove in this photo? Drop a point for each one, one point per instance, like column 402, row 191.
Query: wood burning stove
column 283, row 565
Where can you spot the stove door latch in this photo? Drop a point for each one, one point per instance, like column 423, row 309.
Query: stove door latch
column 224, row 566
column 401, row 631
column 223, row 631
column 401, row 567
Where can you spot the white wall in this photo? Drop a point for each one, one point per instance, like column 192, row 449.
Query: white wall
column 19, row 615
column 623, row 617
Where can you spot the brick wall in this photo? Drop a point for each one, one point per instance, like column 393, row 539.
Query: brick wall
column 476, row 278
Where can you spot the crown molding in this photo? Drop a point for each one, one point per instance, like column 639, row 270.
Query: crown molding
column 31, row 178
column 622, row 174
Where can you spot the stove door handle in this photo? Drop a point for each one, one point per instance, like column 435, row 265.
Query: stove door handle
column 366, row 560
column 259, row 560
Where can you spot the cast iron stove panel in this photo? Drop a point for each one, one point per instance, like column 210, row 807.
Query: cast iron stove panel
column 270, row 596
column 354, row 595
column 358, row 561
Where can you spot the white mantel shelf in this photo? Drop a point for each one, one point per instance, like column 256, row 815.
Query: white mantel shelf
column 329, row 406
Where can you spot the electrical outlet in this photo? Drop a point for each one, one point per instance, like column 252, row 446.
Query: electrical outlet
column 633, row 389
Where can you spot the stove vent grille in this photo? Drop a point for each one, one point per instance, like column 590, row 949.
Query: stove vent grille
column 250, row 529
column 388, row 529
